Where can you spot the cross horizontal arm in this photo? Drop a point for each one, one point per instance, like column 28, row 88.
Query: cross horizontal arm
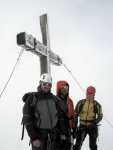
column 29, row 43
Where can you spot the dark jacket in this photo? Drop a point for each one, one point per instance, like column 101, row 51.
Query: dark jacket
column 69, row 111
column 46, row 114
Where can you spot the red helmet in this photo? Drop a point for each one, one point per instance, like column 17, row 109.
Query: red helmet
column 91, row 90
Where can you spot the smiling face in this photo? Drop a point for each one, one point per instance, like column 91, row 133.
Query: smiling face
column 45, row 86
column 64, row 90
column 90, row 96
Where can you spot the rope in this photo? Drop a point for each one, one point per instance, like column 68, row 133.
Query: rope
column 18, row 60
column 17, row 63
column 74, row 78
column 108, row 122
column 83, row 89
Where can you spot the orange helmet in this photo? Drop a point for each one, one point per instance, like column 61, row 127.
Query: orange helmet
column 91, row 90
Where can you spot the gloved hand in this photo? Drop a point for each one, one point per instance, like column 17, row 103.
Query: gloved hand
column 63, row 137
column 93, row 124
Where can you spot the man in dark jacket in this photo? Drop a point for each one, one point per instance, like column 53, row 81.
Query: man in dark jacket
column 62, row 92
column 90, row 114
column 43, row 117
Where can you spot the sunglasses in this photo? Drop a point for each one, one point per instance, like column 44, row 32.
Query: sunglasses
column 64, row 87
column 91, row 94
column 46, row 84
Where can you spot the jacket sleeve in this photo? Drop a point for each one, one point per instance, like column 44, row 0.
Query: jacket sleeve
column 99, row 113
column 77, row 113
column 28, row 117
column 61, row 124
column 73, row 115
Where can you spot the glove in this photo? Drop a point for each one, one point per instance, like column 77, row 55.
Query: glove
column 93, row 125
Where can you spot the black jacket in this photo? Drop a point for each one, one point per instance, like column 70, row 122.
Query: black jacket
column 29, row 113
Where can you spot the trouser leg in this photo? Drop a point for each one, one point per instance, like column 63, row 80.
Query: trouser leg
column 79, row 140
column 93, row 134
column 53, row 145
column 65, row 145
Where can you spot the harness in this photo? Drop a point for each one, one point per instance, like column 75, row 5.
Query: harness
column 49, row 136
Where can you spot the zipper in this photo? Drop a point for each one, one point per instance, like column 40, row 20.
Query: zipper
column 87, row 111
column 49, row 113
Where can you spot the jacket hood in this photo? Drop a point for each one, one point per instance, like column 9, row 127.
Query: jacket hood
column 59, row 84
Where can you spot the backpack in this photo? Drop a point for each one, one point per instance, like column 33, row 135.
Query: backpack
column 24, row 98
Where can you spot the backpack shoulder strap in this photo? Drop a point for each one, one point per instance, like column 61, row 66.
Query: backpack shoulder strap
column 35, row 98
column 81, row 105
column 22, row 123
column 95, row 107
column 96, row 104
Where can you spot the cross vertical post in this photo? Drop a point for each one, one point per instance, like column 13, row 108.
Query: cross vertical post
column 43, row 50
column 45, row 61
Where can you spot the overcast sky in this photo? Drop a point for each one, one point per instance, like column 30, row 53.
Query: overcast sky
column 81, row 32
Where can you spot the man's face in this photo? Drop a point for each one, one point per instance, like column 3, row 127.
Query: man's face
column 45, row 86
column 64, row 89
column 90, row 96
